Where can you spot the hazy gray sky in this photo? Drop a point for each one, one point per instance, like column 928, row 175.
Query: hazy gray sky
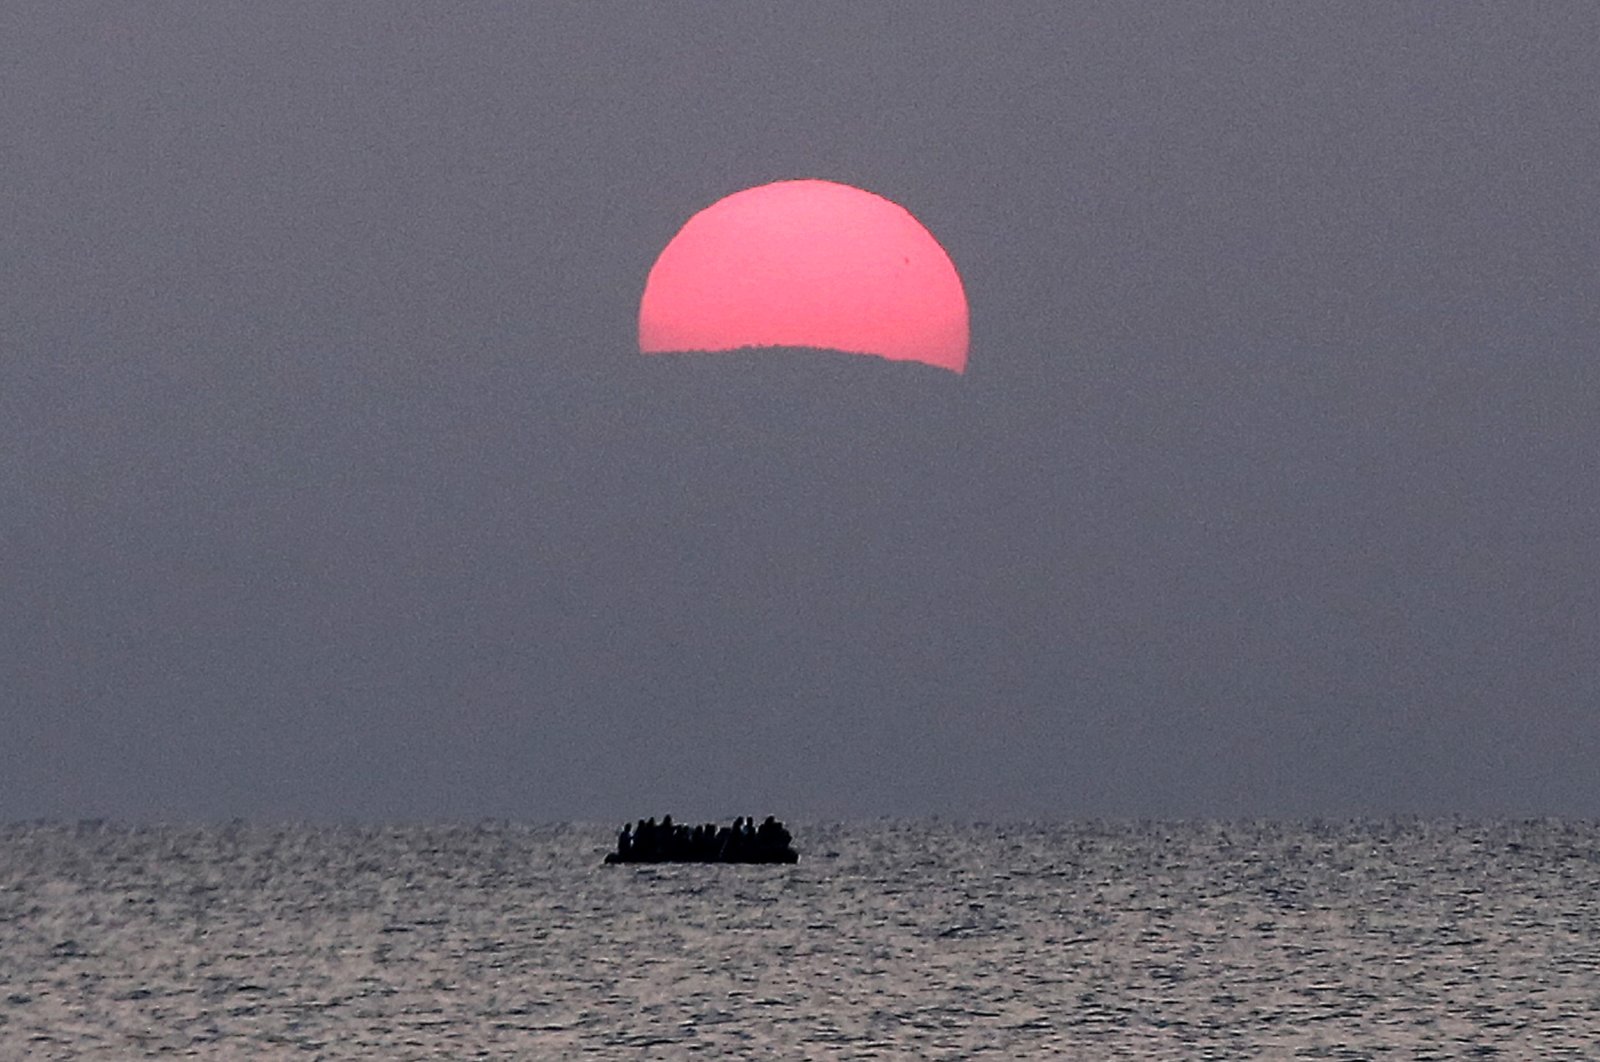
column 331, row 485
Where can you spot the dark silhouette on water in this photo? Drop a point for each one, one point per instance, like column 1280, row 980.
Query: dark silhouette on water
column 669, row 842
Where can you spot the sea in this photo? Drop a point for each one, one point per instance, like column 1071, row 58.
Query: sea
column 1413, row 938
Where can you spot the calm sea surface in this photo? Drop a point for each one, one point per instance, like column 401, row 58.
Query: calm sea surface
column 1412, row 939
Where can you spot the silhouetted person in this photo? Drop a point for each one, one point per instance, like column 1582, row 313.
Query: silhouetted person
column 773, row 835
column 680, row 842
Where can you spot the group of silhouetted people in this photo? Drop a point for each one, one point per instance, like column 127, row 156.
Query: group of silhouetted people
column 669, row 842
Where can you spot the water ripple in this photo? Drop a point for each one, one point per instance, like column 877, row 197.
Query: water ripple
column 1142, row 940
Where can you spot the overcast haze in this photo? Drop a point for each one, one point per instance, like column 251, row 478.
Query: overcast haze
column 331, row 485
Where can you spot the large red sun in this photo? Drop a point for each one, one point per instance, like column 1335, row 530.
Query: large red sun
column 806, row 264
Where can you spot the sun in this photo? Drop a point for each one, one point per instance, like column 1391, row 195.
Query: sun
column 807, row 263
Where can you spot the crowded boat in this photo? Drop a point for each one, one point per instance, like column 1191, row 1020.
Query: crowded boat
column 650, row 841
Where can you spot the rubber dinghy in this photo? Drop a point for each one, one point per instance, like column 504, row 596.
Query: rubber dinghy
column 669, row 842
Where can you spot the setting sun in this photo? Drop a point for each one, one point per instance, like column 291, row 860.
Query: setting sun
column 807, row 264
